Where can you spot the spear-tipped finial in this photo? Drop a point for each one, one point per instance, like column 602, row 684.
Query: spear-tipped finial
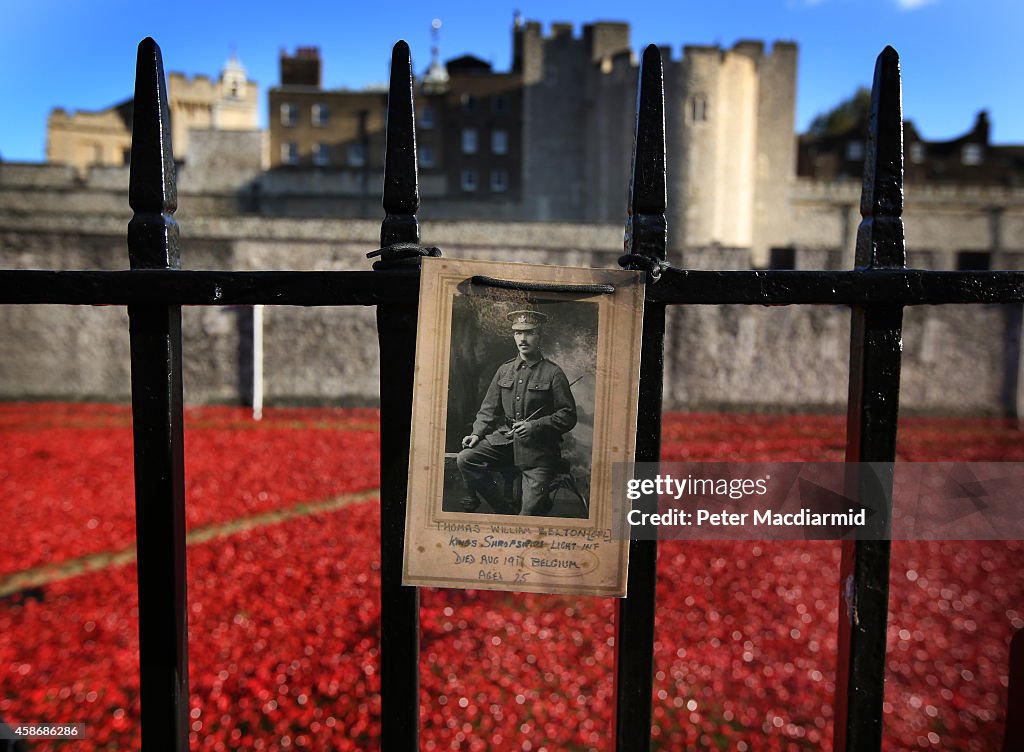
column 152, row 192
column 880, row 240
column 646, row 229
column 401, row 188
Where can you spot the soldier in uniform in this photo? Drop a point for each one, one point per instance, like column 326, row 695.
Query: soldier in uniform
column 527, row 408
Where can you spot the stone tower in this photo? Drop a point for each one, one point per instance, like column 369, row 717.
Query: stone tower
column 562, row 97
column 729, row 119
column 732, row 149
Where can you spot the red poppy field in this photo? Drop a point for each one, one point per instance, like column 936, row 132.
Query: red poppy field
column 284, row 588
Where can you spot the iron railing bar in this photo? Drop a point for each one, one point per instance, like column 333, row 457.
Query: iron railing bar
column 327, row 288
column 396, row 332
column 848, row 287
column 872, row 413
column 646, row 240
column 1013, row 738
column 157, row 420
column 908, row 287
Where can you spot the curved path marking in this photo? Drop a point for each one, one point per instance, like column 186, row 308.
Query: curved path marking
column 47, row 573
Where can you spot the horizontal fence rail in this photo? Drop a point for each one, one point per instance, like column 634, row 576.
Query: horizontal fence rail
column 905, row 287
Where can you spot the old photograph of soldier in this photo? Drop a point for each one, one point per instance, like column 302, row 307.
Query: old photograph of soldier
column 525, row 396
column 520, row 420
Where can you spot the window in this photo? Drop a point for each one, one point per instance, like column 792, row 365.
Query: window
column 972, row 154
column 356, row 155
column 290, row 153
column 972, row 261
column 427, row 118
column 321, row 115
column 469, row 140
column 499, row 103
column 469, row 102
column 289, row 114
column 469, row 180
column 917, row 153
column 698, row 108
column 321, row 155
column 854, row 151
column 499, row 141
column 426, row 156
column 235, row 82
column 499, row 181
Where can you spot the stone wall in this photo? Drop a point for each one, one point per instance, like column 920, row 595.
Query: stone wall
column 939, row 221
column 963, row 359
column 312, row 355
column 956, row 359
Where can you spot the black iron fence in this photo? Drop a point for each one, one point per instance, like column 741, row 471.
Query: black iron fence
column 155, row 288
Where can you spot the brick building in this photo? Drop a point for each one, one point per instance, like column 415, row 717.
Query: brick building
column 468, row 131
column 969, row 159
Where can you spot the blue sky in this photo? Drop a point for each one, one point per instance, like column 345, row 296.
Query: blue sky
column 958, row 56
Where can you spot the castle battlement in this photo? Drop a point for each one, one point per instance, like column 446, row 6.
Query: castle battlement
column 756, row 50
column 186, row 78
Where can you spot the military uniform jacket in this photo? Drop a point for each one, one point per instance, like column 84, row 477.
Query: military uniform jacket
column 517, row 391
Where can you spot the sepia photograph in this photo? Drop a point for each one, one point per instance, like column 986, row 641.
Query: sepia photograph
column 525, row 395
column 519, row 433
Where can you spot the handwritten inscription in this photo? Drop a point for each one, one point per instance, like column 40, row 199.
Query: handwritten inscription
column 458, row 527
column 512, row 553
column 536, row 561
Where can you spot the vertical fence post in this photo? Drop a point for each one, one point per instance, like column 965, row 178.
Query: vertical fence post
column 257, row 362
column 1013, row 739
column 157, row 419
column 396, row 332
column 646, row 236
column 875, row 349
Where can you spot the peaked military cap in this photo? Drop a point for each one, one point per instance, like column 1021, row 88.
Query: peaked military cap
column 523, row 321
